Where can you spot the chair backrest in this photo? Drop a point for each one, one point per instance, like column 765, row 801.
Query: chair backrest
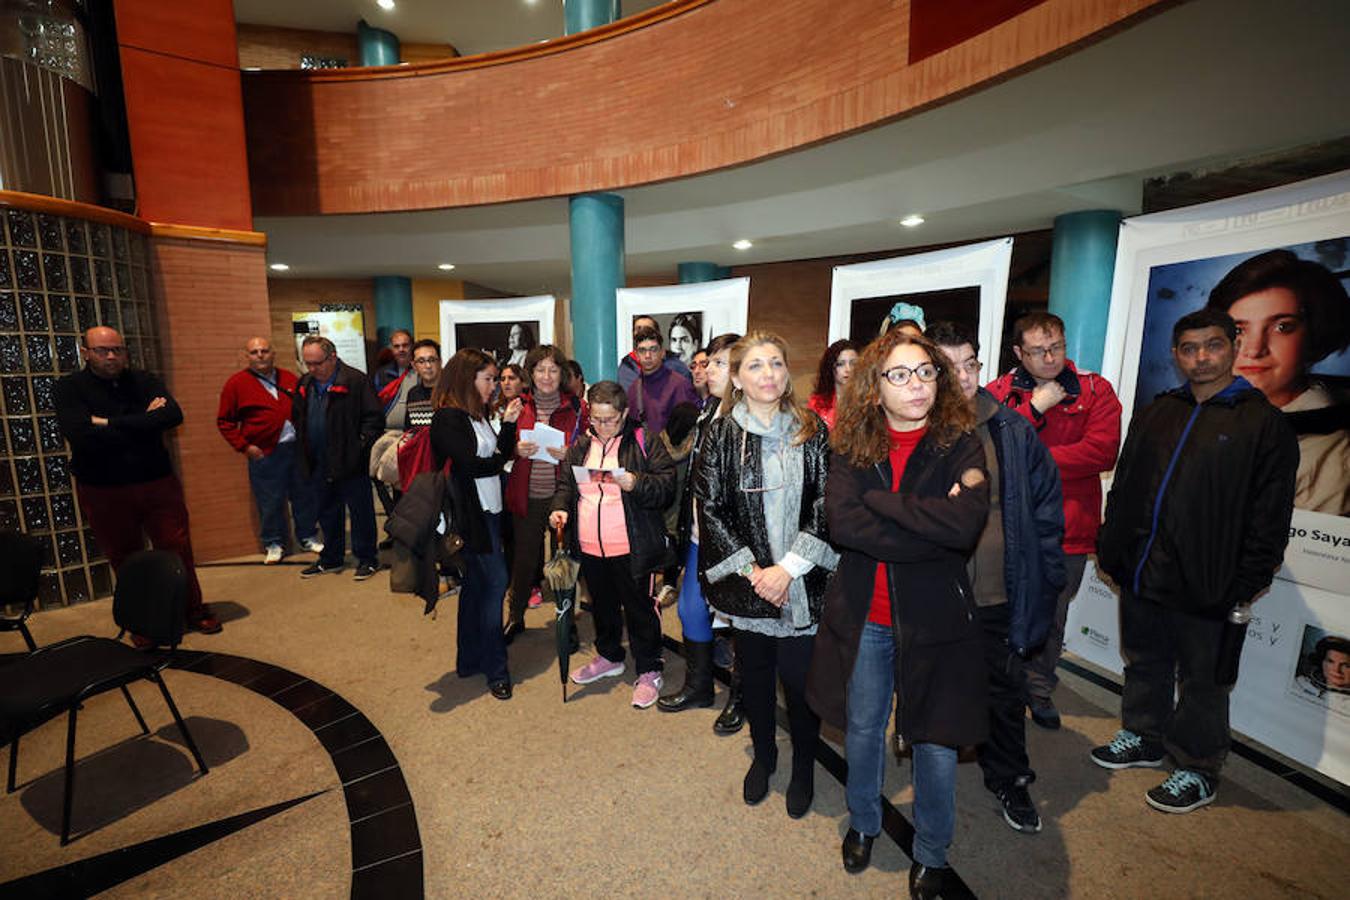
column 20, row 562
column 151, row 596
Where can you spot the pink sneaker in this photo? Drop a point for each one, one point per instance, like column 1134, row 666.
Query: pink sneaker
column 536, row 598
column 596, row 669
column 647, row 689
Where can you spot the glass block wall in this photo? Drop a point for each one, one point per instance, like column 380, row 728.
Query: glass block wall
column 59, row 276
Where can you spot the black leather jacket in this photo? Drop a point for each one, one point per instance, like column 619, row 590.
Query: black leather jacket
column 731, row 521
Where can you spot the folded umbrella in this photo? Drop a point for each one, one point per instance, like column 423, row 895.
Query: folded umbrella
column 561, row 574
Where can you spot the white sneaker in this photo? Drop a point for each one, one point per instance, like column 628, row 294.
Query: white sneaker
column 273, row 555
column 313, row 545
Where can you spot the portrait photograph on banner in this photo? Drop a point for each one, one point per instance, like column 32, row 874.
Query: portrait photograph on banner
column 967, row 285
column 688, row 315
column 1322, row 670
column 505, row 329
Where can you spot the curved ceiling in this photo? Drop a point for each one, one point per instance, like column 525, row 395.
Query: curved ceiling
column 473, row 26
column 1206, row 80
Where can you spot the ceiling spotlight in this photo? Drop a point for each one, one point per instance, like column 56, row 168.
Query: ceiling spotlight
column 742, row 244
column 912, row 221
column 278, row 267
column 446, row 267
column 385, row 4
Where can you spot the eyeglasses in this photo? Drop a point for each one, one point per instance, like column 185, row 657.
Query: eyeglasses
column 107, row 351
column 426, row 360
column 610, row 422
column 777, row 468
column 1044, row 352
column 899, row 376
column 648, row 350
column 699, row 364
column 972, row 366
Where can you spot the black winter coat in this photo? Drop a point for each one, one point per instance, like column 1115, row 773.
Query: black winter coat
column 354, row 418
column 1198, row 514
column 731, row 521
column 643, row 507
column 684, row 530
column 925, row 537
column 453, row 439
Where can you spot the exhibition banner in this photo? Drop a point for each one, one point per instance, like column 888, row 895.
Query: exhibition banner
column 345, row 328
column 505, row 329
column 966, row 284
column 689, row 315
column 1278, row 262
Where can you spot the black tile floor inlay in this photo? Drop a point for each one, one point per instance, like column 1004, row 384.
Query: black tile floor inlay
column 386, row 843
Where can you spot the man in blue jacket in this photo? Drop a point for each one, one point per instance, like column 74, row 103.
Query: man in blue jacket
column 1196, row 523
column 1017, row 571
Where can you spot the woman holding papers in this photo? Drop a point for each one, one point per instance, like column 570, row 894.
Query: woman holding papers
column 558, row 417
column 764, row 553
column 613, row 487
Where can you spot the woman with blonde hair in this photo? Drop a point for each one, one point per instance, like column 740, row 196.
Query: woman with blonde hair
column 906, row 501
column 763, row 550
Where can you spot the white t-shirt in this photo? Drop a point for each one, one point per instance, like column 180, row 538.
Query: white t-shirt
column 489, row 488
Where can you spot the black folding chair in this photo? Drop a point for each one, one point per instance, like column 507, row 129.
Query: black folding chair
column 149, row 600
column 20, row 562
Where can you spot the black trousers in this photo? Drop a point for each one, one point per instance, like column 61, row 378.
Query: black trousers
column 527, row 564
column 1003, row 757
column 764, row 661
column 617, row 597
column 1169, row 653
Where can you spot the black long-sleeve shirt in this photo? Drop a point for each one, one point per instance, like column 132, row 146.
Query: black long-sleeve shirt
column 130, row 448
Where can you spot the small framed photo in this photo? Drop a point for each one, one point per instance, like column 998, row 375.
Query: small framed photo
column 504, row 329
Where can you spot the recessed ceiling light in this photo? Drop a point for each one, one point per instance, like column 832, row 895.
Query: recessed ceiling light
column 385, row 4
column 446, row 267
column 278, row 267
column 742, row 244
column 912, row 221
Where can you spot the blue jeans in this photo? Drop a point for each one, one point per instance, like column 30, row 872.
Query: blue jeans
column 695, row 619
column 275, row 479
column 355, row 495
column 480, row 645
column 870, row 691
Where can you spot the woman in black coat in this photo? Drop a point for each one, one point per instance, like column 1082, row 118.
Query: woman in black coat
column 906, row 501
column 618, row 532
column 462, row 435
column 764, row 555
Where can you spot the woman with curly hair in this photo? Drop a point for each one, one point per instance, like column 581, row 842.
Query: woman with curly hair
column 763, row 552
column 906, row 501
column 836, row 368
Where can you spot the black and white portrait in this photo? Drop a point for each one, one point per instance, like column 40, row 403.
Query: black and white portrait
column 682, row 332
column 505, row 329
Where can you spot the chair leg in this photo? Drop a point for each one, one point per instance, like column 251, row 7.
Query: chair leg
column 13, row 765
column 27, row 637
column 182, row 726
column 70, row 778
column 140, row 720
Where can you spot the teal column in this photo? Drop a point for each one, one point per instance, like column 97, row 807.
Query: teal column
column 376, row 46
column 393, row 306
column 1082, row 263
column 695, row 272
column 579, row 15
column 596, row 227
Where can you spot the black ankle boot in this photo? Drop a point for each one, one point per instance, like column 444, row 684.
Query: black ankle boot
column 927, row 883
column 732, row 718
column 801, row 791
column 756, row 786
column 698, row 680
column 857, row 850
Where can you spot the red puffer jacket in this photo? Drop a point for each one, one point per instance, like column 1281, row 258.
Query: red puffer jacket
column 570, row 418
column 1083, row 435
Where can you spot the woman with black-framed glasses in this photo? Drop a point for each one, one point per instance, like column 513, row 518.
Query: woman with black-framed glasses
column 763, row 551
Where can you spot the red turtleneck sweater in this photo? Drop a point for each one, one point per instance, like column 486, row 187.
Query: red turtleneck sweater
column 902, row 446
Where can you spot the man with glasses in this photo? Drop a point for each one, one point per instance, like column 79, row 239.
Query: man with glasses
column 1016, row 572
column 657, row 389
column 629, row 369
column 254, row 417
column 1077, row 416
column 337, row 418
column 114, row 418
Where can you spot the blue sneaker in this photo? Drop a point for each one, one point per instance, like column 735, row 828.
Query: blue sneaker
column 1182, row 792
column 1128, row 750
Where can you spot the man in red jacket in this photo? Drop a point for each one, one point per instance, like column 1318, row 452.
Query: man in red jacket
column 255, row 418
column 1077, row 416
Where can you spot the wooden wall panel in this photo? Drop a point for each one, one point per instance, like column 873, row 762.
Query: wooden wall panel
column 180, row 77
column 269, row 47
column 936, row 25
column 701, row 91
